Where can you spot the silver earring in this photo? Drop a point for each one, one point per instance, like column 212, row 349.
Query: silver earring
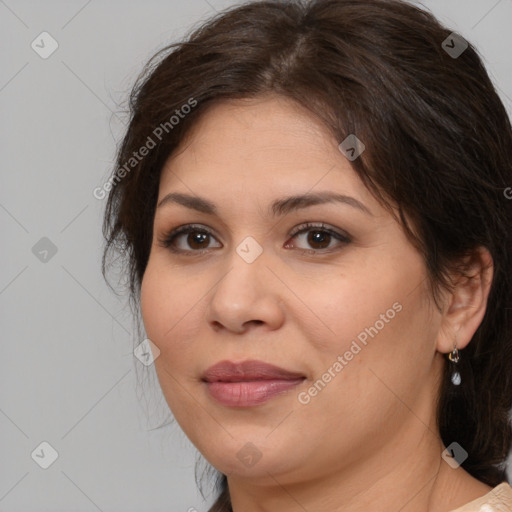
column 454, row 358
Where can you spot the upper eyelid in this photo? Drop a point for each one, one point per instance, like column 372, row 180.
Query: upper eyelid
column 320, row 225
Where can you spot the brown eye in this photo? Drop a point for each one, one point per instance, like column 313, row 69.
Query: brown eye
column 197, row 238
column 196, row 241
column 318, row 238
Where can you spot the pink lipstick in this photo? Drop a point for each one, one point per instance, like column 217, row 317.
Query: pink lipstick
column 248, row 383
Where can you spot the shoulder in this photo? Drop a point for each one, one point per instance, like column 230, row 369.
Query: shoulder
column 498, row 499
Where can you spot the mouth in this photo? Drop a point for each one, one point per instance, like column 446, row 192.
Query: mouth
column 248, row 383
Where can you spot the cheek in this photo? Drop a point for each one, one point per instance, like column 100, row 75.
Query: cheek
column 369, row 371
column 153, row 304
column 170, row 307
column 162, row 305
column 378, row 322
column 161, row 312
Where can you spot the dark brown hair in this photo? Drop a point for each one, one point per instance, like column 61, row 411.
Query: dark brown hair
column 438, row 144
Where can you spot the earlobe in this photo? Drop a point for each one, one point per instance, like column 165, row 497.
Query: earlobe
column 466, row 305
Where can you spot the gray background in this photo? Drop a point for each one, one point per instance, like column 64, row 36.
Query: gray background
column 68, row 375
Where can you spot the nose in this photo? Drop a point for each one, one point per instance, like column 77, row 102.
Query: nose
column 246, row 295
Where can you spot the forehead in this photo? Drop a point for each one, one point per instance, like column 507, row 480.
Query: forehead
column 265, row 145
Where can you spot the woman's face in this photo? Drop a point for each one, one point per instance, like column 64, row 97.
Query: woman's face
column 343, row 307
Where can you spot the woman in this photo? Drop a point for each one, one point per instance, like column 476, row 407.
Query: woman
column 311, row 200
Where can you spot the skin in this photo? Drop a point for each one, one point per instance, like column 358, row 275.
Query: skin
column 368, row 440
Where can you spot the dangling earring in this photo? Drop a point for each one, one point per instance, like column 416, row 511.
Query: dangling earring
column 454, row 358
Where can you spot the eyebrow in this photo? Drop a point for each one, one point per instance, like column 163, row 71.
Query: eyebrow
column 278, row 208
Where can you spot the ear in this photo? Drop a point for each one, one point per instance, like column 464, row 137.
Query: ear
column 465, row 307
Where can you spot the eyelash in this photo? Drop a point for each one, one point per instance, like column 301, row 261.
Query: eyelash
column 168, row 240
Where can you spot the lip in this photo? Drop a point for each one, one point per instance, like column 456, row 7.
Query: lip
column 248, row 383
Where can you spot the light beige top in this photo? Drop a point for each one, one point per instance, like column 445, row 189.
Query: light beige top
column 498, row 499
